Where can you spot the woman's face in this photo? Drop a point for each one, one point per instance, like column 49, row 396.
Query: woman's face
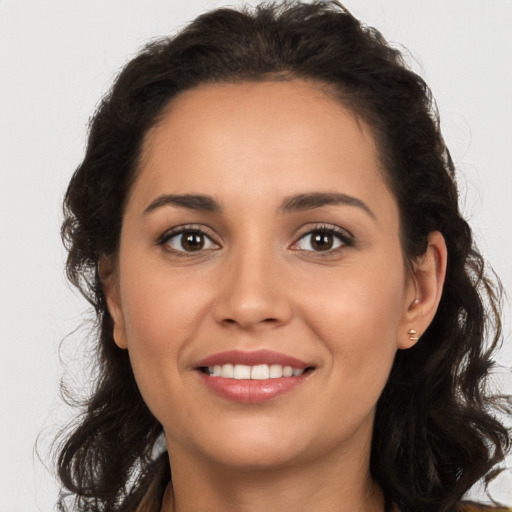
column 261, row 237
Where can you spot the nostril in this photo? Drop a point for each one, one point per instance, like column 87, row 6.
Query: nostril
column 265, row 320
column 252, row 310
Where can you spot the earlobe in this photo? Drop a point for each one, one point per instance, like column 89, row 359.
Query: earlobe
column 428, row 276
column 110, row 283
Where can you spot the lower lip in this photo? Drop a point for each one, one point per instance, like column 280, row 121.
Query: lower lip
column 250, row 391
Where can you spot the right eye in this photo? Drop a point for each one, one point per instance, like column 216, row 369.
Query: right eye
column 188, row 241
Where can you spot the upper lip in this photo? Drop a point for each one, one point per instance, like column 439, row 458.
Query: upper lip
column 251, row 359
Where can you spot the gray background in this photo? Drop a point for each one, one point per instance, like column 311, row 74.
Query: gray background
column 57, row 58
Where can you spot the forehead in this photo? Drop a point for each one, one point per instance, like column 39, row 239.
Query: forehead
column 259, row 139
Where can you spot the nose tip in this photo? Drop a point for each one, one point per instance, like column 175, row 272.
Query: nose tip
column 252, row 299
column 249, row 316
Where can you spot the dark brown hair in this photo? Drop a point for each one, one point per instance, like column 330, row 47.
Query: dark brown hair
column 436, row 430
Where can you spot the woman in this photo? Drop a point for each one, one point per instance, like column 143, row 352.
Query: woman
column 266, row 223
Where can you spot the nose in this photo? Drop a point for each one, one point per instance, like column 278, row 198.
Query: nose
column 253, row 294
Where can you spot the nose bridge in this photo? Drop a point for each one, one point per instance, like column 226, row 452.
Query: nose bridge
column 252, row 291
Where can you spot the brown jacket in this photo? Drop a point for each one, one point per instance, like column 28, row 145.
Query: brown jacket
column 475, row 507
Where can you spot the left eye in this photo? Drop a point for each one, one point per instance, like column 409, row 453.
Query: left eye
column 320, row 240
column 190, row 241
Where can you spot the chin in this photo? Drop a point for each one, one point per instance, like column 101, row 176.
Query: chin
column 246, row 444
column 255, row 454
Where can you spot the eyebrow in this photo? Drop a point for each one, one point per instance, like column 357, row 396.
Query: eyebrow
column 199, row 202
column 295, row 203
column 312, row 200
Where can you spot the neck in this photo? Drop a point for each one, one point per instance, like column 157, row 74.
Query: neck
column 330, row 483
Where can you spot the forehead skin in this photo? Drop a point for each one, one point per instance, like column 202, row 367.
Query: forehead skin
column 208, row 123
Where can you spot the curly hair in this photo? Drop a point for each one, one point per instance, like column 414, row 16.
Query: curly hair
column 436, row 428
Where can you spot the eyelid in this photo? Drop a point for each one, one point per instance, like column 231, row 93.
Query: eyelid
column 345, row 236
column 187, row 228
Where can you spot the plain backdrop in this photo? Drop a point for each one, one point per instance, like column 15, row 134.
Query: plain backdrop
column 58, row 57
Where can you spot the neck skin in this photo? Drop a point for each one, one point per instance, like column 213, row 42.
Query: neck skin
column 337, row 482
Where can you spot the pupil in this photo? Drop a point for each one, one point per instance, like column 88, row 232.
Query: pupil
column 192, row 242
column 322, row 241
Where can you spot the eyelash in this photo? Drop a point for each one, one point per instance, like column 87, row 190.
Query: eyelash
column 182, row 230
column 346, row 239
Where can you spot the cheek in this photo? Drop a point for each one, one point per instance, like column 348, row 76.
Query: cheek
column 357, row 315
column 161, row 315
column 161, row 307
column 366, row 297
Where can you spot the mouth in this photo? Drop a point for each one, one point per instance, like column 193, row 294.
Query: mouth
column 256, row 372
column 252, row 377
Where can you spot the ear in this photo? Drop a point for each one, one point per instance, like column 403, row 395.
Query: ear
column 424, row 291
column 110, row 282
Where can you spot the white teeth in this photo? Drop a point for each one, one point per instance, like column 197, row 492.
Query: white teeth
column 260, row 372
column 242, row 371
column 257, row 372
column 276, row 371
column 227, row 371
column 287, row 371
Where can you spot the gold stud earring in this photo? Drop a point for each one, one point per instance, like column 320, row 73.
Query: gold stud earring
column 412, row 335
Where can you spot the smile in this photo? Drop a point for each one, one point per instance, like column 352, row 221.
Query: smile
column 252, row 377
column 257, row 372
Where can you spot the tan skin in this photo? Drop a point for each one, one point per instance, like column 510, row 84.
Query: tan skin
column 257, row 278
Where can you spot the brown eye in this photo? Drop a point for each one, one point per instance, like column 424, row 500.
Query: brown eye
column 192, row 241
column 322, row 240
column 189, row 241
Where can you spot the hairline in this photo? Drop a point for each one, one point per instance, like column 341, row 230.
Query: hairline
column 328, row 90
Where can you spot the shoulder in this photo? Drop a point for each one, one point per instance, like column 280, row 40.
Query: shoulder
column 468, row 506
